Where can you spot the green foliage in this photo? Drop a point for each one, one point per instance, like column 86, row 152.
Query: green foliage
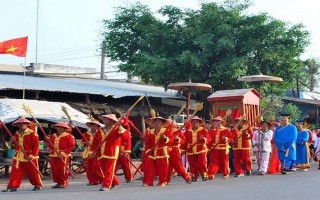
column 216, row 45
column 309, row 74
column 293, row 110
column 271, row 107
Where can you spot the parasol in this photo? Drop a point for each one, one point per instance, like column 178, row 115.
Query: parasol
column 260, row 78
column 189, row 86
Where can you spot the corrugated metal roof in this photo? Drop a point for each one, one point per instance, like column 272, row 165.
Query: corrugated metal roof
column 11, row 68
column 84, row 86
column 232, row 93
column 11, row 109
column 311, row 95
column 304, row 101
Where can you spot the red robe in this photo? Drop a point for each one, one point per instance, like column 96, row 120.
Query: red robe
column 124, row 160
column 29, row 140
column 219, row 151
column 93, row 169
column 175, row 162
column 156, row 161
column 63, row 144
column 274, row 163
column 241, row 149
column 197, row 151
column 108, row 153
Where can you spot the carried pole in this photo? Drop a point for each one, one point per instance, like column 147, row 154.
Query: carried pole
column 65, row 110
column 20, row 147
column 113, row 128
column 29, row 111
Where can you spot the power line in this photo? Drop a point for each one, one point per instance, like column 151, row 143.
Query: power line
column 69, row 58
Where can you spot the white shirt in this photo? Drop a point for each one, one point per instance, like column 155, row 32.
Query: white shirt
column 263, row 139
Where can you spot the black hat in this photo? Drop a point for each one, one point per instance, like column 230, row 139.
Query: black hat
column 266, row 122
column 208, row 121
column 284, row 114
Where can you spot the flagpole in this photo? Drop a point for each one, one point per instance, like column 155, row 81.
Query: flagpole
column 37, row 29
column 24, row 77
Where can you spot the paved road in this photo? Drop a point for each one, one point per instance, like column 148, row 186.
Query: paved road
column 298, row 185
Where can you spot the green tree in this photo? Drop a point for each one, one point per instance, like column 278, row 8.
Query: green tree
column 309, row 76
column 273, row 106
column 215, row 44
column 293, row 110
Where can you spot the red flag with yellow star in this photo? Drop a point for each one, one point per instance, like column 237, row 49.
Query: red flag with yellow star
column 16, row 47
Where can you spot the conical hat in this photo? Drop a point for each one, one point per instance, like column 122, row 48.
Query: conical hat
column 151, row 121
column 109, row 116
column 198, row 119
column 218, row 118
column 62, row 125
column 21, row 120
column 240, row 118
column 96, row 122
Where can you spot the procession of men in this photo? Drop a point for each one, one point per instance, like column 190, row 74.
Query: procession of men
column 206, row 147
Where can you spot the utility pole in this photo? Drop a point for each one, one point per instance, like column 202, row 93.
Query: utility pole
column 298, row 87
column 37, row 30
column 103, row 57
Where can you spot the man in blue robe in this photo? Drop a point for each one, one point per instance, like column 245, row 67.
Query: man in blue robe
column 302, row 161
column 285, row 137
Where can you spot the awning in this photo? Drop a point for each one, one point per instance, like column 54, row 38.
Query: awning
column 11, row 109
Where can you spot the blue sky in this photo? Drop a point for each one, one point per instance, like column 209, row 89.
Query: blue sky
column 69, row 29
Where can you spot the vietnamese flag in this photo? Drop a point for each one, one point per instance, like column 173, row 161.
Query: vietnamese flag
column 16, row 47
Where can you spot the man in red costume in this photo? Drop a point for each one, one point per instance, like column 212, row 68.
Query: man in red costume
column 21, row 165
column 124, row 159
column 93, row 169
column 219, row 149
column 175, row 162
column 108, row 148
column 63, row 143
column 156, row 141
column 197, row 139
column 242, row 135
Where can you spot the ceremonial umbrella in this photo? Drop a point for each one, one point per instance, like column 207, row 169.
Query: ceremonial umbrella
column 260, row 78
column 189, row 86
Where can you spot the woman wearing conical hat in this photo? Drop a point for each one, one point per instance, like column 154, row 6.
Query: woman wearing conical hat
column 21, row 166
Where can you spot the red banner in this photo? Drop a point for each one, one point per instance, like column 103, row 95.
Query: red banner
column 16, row 47
column 235, row 112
